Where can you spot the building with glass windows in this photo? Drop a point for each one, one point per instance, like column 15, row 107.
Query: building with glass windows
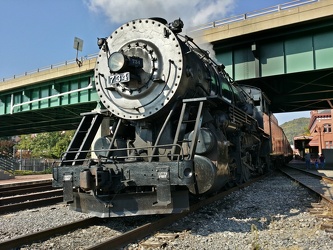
column 320, row 127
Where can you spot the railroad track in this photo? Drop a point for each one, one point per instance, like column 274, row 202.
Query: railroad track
column 322, row 186
column 45, row 234
column 27, row 196
column 25, row 188
column 125, row 238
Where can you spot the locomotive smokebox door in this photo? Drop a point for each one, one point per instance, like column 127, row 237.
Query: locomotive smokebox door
column 68, row 188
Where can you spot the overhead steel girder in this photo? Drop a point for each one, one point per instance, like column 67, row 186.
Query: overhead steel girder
column 311, row 51
column 293, row 65
column 54, row 105
column 44, row 120
column 50, row 94
column 312, row 90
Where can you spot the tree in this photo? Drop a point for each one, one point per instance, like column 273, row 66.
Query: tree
column 6, row 146
column 62, row 144
column 46, row 145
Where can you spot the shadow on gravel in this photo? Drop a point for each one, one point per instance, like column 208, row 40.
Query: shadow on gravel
column 263, row 205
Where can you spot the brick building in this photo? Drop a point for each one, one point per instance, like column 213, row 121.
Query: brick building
column 320, row 127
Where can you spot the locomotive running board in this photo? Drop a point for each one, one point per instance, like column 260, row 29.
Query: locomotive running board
column 130, row 204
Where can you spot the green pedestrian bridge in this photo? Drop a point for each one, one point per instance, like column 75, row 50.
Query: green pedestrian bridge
column 286, row 50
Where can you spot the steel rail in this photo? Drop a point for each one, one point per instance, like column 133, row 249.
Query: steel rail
column 46, row 234
column 31, row 196
column 20, row 191
column 150, row 228
column 123, row 239
column 317, row 187
column 30, row 204
column 321, row 187
column 22, row 185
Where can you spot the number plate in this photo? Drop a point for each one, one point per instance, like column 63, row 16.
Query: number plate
column 121, row 77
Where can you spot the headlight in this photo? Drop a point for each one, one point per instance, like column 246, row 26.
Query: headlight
column 116, row 61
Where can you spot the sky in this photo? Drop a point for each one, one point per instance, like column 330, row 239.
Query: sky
column 38, row 33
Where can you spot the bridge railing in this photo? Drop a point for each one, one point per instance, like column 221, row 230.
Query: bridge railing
column 252, row 14
column 52, row 66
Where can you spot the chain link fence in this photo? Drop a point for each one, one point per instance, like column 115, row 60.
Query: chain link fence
column 34, row 164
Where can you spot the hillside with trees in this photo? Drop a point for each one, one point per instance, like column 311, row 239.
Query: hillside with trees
column 296, row 127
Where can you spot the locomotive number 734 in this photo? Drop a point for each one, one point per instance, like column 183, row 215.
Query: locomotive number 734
column 121, row 77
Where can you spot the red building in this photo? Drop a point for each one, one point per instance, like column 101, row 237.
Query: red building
column 320, row 127
column 320, row 140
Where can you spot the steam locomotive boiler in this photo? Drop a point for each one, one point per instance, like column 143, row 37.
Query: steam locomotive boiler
column 172, row 125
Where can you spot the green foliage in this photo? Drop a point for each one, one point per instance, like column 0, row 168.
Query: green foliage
column 6, row 146
column 29, row 172
column 47, row 145
column 296, row 127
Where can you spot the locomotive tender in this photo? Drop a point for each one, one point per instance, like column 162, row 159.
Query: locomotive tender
column 173, row 125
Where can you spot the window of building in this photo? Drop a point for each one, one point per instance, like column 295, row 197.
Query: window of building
column 327, row 128
column 328, row 144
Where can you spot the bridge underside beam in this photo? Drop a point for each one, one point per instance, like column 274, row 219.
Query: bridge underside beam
column 311, row 90
column 44, row 120
column 293, row 66
column 49, row 94
column 53, row 105
column 292, row 54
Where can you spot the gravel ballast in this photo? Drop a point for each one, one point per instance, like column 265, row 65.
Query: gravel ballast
column 270, row 214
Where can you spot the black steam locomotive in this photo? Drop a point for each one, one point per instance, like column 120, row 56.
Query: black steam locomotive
column 172, row 125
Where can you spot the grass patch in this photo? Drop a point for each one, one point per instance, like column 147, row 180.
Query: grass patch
column 30, row 172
